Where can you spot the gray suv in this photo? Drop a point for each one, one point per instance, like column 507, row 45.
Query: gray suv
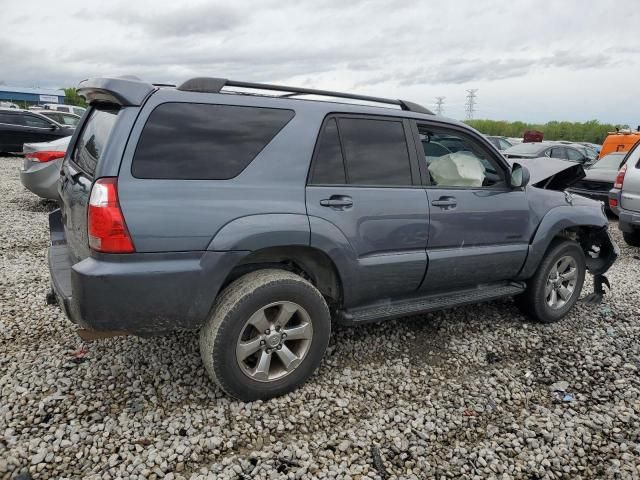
column 624, row 197
column 258, row 218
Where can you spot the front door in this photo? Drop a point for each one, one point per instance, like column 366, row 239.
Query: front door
column 479, row 226
column 366, row 205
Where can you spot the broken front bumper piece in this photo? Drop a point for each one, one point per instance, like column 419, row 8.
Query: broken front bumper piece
column 601, row 251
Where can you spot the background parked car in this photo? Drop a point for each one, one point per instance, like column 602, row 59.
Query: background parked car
column 546, row 149
column 65, row 108
column 624, row 198
column 63, row 118
column 599, row 178
column 41, row 167
column 18, row 127
column 501, row 143
column 586, row 150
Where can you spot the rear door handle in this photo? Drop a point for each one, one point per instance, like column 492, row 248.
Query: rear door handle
column 445, row 202
column 337, row 201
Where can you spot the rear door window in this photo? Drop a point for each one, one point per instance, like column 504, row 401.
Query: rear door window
column 328, row 166
column 558, row 152
column 9, row 119
column 93, row 139
column 33, row 121
column 375, row 151
column 191, row 141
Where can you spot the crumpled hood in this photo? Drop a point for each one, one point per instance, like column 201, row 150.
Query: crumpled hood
column 551, row 173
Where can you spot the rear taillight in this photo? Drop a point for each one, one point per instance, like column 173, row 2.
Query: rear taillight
column 45, row 156
column 620, row 177
column 105, row 223
column 613, row 202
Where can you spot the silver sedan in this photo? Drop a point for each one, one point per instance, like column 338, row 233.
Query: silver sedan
column 41, row 167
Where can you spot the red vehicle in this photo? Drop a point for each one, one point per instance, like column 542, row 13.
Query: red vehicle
column 531, row 136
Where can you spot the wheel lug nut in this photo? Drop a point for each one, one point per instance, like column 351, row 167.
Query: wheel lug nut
column 267, row 331
column 284, row 335
column 279, row 347
column 262, row 342
column 277, row 328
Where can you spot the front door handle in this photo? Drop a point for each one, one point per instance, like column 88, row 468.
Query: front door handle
column 445, row 202
column 337, row 201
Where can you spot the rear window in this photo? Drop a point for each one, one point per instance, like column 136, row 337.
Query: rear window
column 93, row 139
column 190, row 141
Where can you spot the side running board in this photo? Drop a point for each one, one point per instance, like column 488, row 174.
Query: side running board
column 428, row 303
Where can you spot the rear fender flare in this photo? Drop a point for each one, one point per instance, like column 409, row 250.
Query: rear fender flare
column 256, row 232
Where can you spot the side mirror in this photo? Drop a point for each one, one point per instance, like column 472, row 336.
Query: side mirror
column 519, row 176
column 53, row 127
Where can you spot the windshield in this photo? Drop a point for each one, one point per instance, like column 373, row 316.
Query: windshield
column 609, row 162
column 532, row 148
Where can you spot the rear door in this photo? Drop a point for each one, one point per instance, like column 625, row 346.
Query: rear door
column 78, row 172
column 364, row 191
column 479, row 226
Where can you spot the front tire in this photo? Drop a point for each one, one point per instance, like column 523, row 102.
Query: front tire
column 266, row 335
column 632, row 238
column 556, row 285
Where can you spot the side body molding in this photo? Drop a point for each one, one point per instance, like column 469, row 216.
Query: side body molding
column 556, row 220
column 255, row 232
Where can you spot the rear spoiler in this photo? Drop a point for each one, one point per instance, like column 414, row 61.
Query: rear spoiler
column 124, row 91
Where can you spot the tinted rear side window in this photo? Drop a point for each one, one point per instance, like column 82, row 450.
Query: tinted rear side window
column 376, row 152
column 328, row 167
column 9, row 119
column 204, row 142
column 93, row 139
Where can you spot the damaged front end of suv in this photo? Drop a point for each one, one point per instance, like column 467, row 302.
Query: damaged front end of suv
column 559, row 213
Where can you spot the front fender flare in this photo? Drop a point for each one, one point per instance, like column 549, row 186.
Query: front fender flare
column 554, row 222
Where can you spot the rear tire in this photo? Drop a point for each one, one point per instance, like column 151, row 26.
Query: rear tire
column 266, row 335
column 632, row 238
column 556, row 285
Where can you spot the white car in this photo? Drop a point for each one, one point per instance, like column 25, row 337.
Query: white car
column 64, row 108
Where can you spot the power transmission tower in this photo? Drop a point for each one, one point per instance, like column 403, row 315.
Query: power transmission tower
column 470, row 105
column 440, row 105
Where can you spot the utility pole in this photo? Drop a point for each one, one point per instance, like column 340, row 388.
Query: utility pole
column 440, row 105
column 470, row 105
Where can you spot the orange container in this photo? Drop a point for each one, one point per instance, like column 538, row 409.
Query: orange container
column 619, row 142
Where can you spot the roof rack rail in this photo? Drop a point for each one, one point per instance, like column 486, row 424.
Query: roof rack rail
column 215, row 85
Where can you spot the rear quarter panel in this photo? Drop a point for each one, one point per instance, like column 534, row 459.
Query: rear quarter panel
column 186, row 215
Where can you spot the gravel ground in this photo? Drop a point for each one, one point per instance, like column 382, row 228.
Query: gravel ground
column 468, row 393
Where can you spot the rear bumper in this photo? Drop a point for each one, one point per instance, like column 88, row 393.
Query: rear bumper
column 41, row 178
column 143, row 293
column 628, row 221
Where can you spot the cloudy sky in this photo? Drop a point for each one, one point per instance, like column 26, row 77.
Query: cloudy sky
column 530, row 60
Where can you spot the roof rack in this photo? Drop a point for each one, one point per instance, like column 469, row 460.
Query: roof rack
column 215, row 85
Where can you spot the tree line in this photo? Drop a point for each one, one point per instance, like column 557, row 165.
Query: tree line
column 591, row 131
